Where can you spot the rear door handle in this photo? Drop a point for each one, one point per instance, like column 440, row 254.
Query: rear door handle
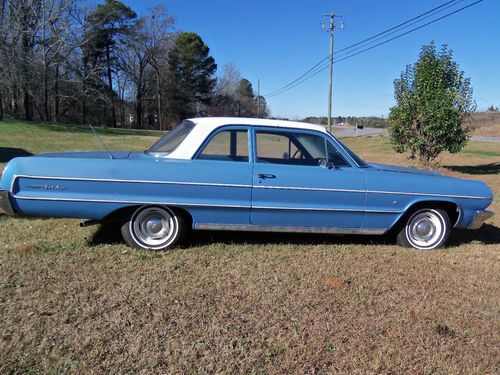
column 265, row 175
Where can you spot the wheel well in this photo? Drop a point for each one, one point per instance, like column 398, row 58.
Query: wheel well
column 124, row 212
column 450, row 208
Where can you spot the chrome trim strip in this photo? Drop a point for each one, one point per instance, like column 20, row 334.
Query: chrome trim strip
column 198, row 204
column 245, row 186
column 287, row 229
column 480, row 217
column 130, row 201
column 309, row 189
column 128, row 181
column 426, row 194
column 323, row 209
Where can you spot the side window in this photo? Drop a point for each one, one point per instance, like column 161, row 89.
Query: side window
column 229, row 145
column 292, row 148
column 335, row 157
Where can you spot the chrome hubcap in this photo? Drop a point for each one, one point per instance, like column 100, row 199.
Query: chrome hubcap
column 154, row 227
column 425, row 229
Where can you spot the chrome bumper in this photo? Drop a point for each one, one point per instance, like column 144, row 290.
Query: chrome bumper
column 479, row 218
column 5, row 205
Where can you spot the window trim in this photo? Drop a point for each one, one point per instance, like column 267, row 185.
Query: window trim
column 220, row 129
column 349, row 165
column 165, row 153
column 326, row 137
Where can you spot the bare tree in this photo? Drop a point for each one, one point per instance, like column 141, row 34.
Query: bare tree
column 146, row 50
column 72, row 61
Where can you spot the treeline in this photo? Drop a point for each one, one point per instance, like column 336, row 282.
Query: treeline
column 65, row 62
column 368, row 121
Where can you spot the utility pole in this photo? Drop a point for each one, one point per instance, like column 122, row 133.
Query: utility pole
column 258, row 98
column 328, row 24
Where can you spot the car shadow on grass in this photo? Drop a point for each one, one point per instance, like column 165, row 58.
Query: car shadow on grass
column 488, row 234
column 201, row 238
column 490, row 168
column 106, row 234
column 9, row 153
column 110, row 234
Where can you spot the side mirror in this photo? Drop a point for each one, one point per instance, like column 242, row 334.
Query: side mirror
column 327, row 164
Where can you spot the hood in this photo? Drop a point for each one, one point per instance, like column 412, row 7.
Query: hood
column 397, row 168
column 86, row 154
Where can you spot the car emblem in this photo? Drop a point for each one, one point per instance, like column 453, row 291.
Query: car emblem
column 48, row 187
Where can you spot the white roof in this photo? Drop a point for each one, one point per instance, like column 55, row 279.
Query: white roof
column 205, row 126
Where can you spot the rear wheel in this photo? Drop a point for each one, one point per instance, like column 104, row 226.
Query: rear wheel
column 425, row 229
column 155, row 228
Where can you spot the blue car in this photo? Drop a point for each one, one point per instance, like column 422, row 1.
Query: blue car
column 238, row 174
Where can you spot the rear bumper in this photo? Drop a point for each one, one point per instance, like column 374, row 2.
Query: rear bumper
column 479, row 218
column 5, row 205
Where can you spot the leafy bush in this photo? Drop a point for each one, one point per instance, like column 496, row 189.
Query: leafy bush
column 433, row 101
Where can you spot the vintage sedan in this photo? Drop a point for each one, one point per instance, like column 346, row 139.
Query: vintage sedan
column 237, row 174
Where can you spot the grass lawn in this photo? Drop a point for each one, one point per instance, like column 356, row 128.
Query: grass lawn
column 78, row 300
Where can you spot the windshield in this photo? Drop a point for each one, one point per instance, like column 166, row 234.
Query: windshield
column 170, row 141
column 360, row 162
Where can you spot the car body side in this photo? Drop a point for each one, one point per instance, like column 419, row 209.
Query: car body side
column 226, row 195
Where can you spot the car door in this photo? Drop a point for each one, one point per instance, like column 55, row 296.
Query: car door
column 223, row 164
column 300, row 179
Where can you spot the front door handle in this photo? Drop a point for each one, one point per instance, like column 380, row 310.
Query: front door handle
column 263, row 176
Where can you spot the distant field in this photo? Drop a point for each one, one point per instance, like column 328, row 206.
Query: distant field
column 486, row 124
column 79, row 301
column 37, row 137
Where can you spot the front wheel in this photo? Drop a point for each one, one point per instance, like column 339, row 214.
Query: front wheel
column 155, row 228
column 425, row 229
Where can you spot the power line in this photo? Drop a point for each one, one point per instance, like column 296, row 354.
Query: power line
column 408, row 32
column 427, row 13
column 322, row 68
column 447, row 5
column 360, row 45
column 299, row 77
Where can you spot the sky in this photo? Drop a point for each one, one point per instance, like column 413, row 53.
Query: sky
column 275, row 41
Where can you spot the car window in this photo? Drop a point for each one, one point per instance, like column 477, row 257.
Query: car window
column 335, row 157
column 356, row 158
column 172, row 139
column 293, row 148
column 229, row 145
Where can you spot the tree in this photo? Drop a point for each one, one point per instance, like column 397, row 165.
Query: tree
column 191, row 71
column 224, row 97
column 246, row 99
column 146, row 46
column 79, row 62
column 433, row 101
column 491, row 108
column 261, row 104
column 110, row 22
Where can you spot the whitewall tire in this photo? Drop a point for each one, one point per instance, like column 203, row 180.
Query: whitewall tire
column 425, row 229
column 154, row 228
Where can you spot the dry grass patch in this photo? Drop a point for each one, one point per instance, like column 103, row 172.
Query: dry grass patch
column 235, row 304
column 78, row 301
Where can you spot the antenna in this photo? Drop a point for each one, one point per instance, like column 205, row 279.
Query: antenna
column 102, row 143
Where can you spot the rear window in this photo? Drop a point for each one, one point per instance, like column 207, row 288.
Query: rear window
column 170, row 141
column 227, row 145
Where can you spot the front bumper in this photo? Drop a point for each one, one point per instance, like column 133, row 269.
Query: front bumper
column 479, row 218
column 5, row 205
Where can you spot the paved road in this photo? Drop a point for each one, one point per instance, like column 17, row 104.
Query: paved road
column 484, row 138
column 372, row 132
column 351, row 132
